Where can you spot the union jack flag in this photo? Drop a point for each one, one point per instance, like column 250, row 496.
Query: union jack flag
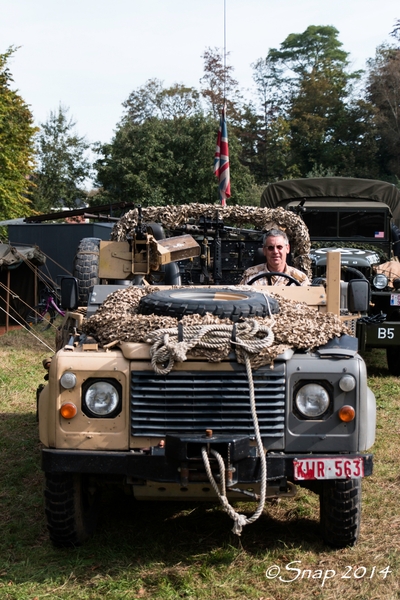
column 221, row 161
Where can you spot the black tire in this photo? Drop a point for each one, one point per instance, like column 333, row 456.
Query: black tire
column 86, row 267
column 71, row 508
column 393, row 352
column 393, row 360
column 340, row 512
column 224, row 303
column 40, row 319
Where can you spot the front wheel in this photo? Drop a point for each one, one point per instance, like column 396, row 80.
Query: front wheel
column 340, row 512
column 71, row 508
column 393, row 360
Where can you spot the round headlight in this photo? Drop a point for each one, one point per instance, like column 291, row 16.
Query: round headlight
column 101, row 398
column 347, row 383
column 312, row 400
column 68, row 380
column 380, row 281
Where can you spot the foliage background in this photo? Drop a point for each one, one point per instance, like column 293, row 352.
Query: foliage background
column 310, row 115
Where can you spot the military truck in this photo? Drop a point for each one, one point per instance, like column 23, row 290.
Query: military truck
column 361, row 218
column 207, row 392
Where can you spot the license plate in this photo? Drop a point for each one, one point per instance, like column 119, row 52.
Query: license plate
column 394, row 299
column 328, row 468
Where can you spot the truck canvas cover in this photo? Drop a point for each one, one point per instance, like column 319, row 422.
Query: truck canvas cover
column 338, row 188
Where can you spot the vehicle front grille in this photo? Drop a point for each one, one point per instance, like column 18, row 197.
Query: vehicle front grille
column 192, row 401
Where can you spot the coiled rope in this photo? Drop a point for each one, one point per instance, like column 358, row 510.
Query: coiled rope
column 166, row 348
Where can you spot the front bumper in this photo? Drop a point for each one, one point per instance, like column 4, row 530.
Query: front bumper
column 160, row 468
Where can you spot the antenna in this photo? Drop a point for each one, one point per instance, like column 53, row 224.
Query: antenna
column 224, row 51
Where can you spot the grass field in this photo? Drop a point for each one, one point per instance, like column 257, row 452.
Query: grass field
column 172, row 551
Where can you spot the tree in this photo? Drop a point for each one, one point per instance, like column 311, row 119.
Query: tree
column 153, row 100
column 219, row 87
column 396, row 30
column 62, row 163
column 383, row 91
column 327, row 125
column 311, row 51
column 166, row 161
column 163, row 149
column 265, row 133
column 16, row 147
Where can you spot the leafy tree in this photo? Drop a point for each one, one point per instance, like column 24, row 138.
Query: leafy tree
column 166, row 161
column 16, row 147
column 306, row 86
column 265, row 133
column 63, row 165
column 396, row 30
column 311, row 51
column 219, row 87
column 383, row 91
column 152, row 100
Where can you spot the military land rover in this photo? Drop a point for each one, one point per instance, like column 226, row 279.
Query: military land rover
column 361, row 218
column 176, row 382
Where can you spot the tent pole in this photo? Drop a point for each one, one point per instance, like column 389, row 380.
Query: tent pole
column 8, row 300
column 35, row 288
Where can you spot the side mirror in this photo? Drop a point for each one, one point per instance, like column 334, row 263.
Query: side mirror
column 69, row 293
column 358, row 294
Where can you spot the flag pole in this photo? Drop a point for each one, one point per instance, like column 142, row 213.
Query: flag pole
column 221, row 158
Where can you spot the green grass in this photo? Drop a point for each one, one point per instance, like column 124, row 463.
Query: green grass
column 175, row 551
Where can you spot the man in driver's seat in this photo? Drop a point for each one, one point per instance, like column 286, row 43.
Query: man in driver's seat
column 276, row 248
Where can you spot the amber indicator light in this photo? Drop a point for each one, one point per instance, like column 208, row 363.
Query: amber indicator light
column 68, row 410
column 347, row 413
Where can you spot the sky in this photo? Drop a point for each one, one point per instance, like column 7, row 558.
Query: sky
column 89, row 55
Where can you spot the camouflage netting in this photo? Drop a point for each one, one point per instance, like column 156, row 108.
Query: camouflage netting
column 296, row 326
column 171, row 217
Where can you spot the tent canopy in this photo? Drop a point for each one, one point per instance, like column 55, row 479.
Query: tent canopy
column 13, row 256
column 18, row 282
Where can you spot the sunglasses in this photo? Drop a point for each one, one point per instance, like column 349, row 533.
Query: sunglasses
column 272, row 248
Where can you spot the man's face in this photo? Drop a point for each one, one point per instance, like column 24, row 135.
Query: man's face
column 275, row 251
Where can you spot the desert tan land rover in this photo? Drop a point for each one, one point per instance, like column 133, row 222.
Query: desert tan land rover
column 178, row 383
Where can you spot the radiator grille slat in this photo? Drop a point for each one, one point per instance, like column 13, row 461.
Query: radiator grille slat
column 192, row 401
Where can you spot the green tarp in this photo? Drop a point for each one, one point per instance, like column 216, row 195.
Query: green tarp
column 281, row 192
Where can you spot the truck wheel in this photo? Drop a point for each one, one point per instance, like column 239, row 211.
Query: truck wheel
column 392, row 352
column 340, row 512
column 71, row 508
column 393, row 360
column 86, row 267
column 223, row 303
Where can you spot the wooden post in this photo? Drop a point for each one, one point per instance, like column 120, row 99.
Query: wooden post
column 333, row 282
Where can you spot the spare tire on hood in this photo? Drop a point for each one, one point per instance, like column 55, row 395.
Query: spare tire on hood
column 224, row 303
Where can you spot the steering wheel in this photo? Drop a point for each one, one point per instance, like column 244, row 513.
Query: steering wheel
column 269, row 274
